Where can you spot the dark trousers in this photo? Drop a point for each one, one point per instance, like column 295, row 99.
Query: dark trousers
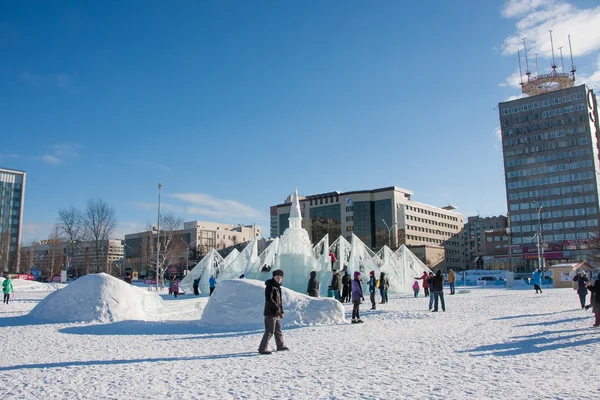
column 175, row 293
column 582, row 297
column 384, row 298
column 196, row 292
column 355, row 310
column 426, row 292
column 451, row 287
column 372, row 296
column 537, row 287
column 6, row 297
column 272, row 327
column 439, row 296
column 212, row 289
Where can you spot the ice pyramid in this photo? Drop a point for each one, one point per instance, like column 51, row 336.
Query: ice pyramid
column 209, row 265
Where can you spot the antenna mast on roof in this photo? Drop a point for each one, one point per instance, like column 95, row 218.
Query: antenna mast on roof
column 572, row 65
column 520, row 70
column 562, row 63
column 537, row 66
column 552, row 45
column 526, row 60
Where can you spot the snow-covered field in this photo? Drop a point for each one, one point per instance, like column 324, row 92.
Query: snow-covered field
column 490, row 344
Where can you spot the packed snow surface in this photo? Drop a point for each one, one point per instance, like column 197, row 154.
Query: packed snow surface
column 240, row 304
column 491, row 343
column 98, row 297
column 21, row 285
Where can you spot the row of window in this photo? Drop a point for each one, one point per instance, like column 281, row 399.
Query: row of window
column 557, row 237
column 590, row 223
column 545, row 125
column 427, row 230
column 424, row 239
column 561, row 145
column 536, row 149
column 550, row 168
column 546, row 114
column 542, row 158
column 576, row 212
column 432, row 213
column 565, row 201
column 551, row 180
column 428, row 221
column 543, row 103
column 328, row 200
column 555, row 191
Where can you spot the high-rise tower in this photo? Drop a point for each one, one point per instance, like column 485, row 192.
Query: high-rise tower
column 12, row 198
column 550, row 147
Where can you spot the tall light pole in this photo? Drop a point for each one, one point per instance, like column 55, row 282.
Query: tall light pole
column 389, row 232
column 188, row 254
column 158, row 239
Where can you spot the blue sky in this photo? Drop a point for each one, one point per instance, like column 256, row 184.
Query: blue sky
column 232, row 104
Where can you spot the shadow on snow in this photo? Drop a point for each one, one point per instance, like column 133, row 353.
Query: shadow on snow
column 67, row 364
column 535, row 344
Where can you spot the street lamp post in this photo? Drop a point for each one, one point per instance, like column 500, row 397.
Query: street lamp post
column 158, row 239
column 540, row 242
column 188, row 254
column 389, row 232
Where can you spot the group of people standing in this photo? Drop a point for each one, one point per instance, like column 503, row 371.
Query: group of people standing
column 212, row 282
column 433, row 286
column 583, row 286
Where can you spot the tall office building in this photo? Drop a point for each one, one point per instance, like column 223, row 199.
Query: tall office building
column 12, row 198
column 379, row 217
column 550, row 145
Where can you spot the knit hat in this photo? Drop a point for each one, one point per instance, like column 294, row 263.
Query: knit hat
column 278, row 272
column 356, row 274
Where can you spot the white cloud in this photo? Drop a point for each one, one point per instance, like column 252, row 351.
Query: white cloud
column 8, row 156
column 59, row 152
column 536, row 18
column 516, row 8
column 498, row 133
column 207, row 205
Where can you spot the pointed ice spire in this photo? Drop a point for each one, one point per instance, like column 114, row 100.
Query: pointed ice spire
column 295, row 215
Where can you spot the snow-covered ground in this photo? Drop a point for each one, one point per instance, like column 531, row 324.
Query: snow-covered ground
column 490, row 344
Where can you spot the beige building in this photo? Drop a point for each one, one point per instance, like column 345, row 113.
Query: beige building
column 53, row 256
column 378, row 217
column 186, row 245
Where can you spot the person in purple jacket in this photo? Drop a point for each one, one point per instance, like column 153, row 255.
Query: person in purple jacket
column 357, row 296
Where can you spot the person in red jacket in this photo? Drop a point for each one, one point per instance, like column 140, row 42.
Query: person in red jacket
column 425, row 283
column 333, row 259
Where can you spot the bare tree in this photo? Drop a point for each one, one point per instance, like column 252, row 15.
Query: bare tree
column 71, row 229
column 170, row 247
column 55, row 251
column 98, row 221
column 28, row 256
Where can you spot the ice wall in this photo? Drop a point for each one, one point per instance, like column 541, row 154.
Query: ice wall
column 208, row 266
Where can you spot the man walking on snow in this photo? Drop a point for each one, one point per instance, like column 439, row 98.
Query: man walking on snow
column 273, row 314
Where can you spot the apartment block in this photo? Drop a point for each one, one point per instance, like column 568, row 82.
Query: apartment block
column 12, row 201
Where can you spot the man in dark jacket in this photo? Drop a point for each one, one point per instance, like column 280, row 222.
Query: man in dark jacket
column 195, row 287
column 582, row 283
column 346, row 282
column 437, row 288
column 313, row 285
column 336, row 282
column 273, row 314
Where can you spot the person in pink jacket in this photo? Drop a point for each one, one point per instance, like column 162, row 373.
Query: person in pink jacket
column 416, row 288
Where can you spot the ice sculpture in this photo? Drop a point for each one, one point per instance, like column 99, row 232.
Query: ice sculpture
column 209, row 265
column 295, row 255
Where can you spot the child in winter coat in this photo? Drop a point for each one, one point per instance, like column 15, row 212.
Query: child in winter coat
column 7, row 288
column 175, row 287
column 357, row 296
column 416, row 288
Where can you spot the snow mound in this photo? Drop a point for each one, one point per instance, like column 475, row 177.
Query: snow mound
column 97, row 297
column 21, row 285
column 240, row 303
